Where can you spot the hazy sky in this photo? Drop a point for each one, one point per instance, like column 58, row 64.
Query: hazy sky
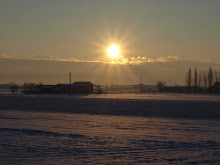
column 144, row 30
column 152, row 28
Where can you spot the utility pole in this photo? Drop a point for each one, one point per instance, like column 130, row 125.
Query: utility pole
column 106, row 88
column 70, row 84
column 141, row 85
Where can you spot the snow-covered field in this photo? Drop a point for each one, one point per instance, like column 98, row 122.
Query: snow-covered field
column 5, row 91
column 157, row 96
column 61, row 138
column 162, row 105
column 129, row 129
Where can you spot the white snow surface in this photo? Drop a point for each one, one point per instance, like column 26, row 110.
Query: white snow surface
column 67, row 138
column 130, row 96
column 110, row 129
column 156, row 96
column 152, row 104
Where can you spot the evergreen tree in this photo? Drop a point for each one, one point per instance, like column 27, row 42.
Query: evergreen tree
column 210, row 77
column 189, row 78
column 204, row 77
column 200, row 79
column 216, row 75
column 195, row 78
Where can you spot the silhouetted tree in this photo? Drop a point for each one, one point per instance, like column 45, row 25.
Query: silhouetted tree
column 189, row 78
column 216, row 75
column 200, row 79
column 195, row 78
column 205, row 79
column 13, row 87
column 210, row 77
column 29, row 86
column 160, row 85
column 98, row 88
column 219, row 76
column 25, row 87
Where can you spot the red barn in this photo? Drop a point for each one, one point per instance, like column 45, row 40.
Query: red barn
column 82, row 87
column 76, row 87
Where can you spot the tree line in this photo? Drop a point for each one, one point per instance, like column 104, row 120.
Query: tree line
column 26, row 86
column 201, row 79
column 196, row 81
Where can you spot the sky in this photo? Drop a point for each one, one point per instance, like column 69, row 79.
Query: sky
column 149, row 33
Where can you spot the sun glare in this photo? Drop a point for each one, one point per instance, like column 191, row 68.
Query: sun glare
column 113, row 51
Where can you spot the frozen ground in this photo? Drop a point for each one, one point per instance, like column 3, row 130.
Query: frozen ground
column 157, row 96
column 160, row 105
column 62, row 138
column 5, row 91
column 126, row 96
column 130, row 129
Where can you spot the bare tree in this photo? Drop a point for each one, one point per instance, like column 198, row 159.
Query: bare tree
column 25, row 87
column 195, row 78
column 205, row 79
column 210, row 77
column 189, row 78
column 200, row 79
column 216, row 75
column 29, row 86
column 13, row 87
column 98, row 88
column 160, row 85
column 219, row 75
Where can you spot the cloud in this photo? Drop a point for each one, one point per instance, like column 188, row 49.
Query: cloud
column 133, row 60
column 21, row 70
column 43, row 56
column 139, row 60
column 119, row 60
column 203, row 60
column 168, row 59
column 150, row 60
column 3, row 55
column 69, row 59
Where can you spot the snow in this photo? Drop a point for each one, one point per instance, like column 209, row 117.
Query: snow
column 157, row 96
column 110, row 129
column 162, row 105
column 62, row 138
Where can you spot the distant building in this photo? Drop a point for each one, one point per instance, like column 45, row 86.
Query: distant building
column 43, row 89
column 76, row 87
column 83, row 87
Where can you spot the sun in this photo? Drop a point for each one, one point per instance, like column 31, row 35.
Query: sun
column 113, row 51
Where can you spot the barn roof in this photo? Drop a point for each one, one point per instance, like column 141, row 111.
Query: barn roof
column 44, row 86
column 77, row 83
column 65, row 85
column 82, row 83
